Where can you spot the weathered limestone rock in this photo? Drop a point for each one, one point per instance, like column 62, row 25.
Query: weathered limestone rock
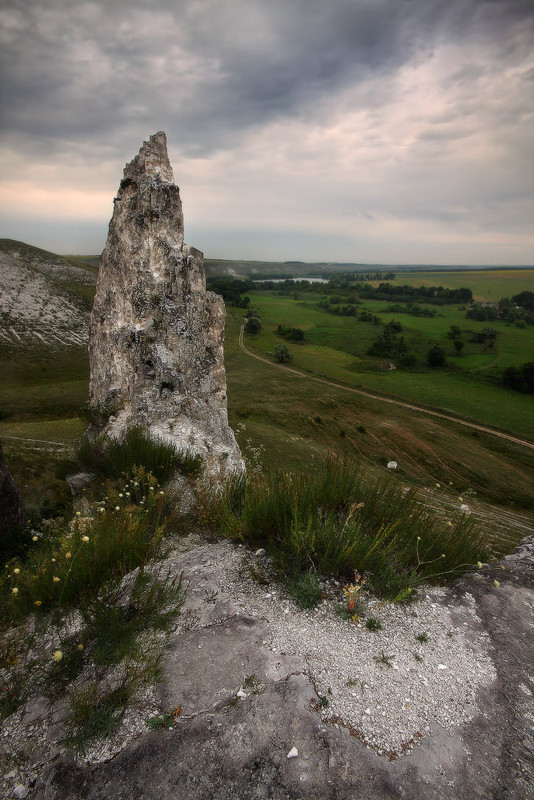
column 233, row 738
column 12, row 514
column 156, row 337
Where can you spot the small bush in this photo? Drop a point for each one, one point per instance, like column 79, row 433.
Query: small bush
column 373, row 624
column 282, row 354
column 253, row 324
column 436, row 356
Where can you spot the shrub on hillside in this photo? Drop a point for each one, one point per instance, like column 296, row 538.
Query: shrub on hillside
column 253, row 324
column 282, row 354
column 521, row 379
column 436, row 357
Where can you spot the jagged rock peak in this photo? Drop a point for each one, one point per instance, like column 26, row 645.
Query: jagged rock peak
column 156, row 335
column 151, row 161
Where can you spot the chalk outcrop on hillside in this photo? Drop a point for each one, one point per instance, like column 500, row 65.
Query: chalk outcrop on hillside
column 156, row 337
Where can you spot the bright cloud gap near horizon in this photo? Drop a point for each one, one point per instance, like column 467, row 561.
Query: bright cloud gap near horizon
column 392, row 131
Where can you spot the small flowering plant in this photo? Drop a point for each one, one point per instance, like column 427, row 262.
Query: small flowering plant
column 68, row 562
column 353, row 594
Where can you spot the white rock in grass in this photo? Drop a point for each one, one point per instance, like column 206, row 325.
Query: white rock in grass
column 392, row 465
column 293, row 753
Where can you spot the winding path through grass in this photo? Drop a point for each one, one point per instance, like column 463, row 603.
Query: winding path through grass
column 383, row 399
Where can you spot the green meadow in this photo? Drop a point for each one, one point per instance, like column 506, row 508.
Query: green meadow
column 487, row 285
column 292, row 422
column 337, row 347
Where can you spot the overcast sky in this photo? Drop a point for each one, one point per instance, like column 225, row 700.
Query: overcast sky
column 377, row 131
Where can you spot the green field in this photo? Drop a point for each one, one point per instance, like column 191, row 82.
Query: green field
column 487, row 285
column 336, row 347
column 292, row 422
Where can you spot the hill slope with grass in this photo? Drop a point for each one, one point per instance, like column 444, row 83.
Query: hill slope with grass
column 44, row 298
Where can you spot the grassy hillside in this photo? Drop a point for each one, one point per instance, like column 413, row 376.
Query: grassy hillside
column 337, row 346
column 291, row 422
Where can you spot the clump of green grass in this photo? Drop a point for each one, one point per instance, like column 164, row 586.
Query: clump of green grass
column 114, row 622
column 95, row 713
column 337, row 523
column 387, row 661
column 373, row 624
column 110, row 458
column 305, row 588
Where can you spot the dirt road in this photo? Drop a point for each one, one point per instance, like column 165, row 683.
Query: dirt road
column 392, row 401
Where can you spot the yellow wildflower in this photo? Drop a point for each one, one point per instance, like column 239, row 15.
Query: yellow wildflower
column 38, row 603
column 16, row 570
column 85, row 538
column 58, row 655
column 14, row 590
column 55, row 579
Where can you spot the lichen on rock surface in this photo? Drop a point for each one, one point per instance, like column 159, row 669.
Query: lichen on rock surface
column 156, row 336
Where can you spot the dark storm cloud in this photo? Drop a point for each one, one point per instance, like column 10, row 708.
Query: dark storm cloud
column 347, row 118
column 210, row 69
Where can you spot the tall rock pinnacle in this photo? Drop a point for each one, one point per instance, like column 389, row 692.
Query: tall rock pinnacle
column 156, row 336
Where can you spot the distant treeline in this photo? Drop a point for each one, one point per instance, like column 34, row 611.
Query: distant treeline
column 404, row 294
column 343, row 286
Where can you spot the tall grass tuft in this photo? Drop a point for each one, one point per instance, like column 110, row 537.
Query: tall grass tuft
column 336, row 523
column 110, row 458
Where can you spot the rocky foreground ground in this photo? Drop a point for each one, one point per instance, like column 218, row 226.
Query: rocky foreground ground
column 277, row 703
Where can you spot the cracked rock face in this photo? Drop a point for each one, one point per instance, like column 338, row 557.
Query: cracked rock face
column 156, row 337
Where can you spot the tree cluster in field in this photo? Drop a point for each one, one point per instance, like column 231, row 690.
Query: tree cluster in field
column 232, row 290
column 521, row 379
column 252, row 321
column 518, row 310
column 413, row 309
column 389, row 344
column 291, row 334
column 429, row 294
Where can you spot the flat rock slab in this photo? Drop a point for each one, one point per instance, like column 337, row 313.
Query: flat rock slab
column 245, row 707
